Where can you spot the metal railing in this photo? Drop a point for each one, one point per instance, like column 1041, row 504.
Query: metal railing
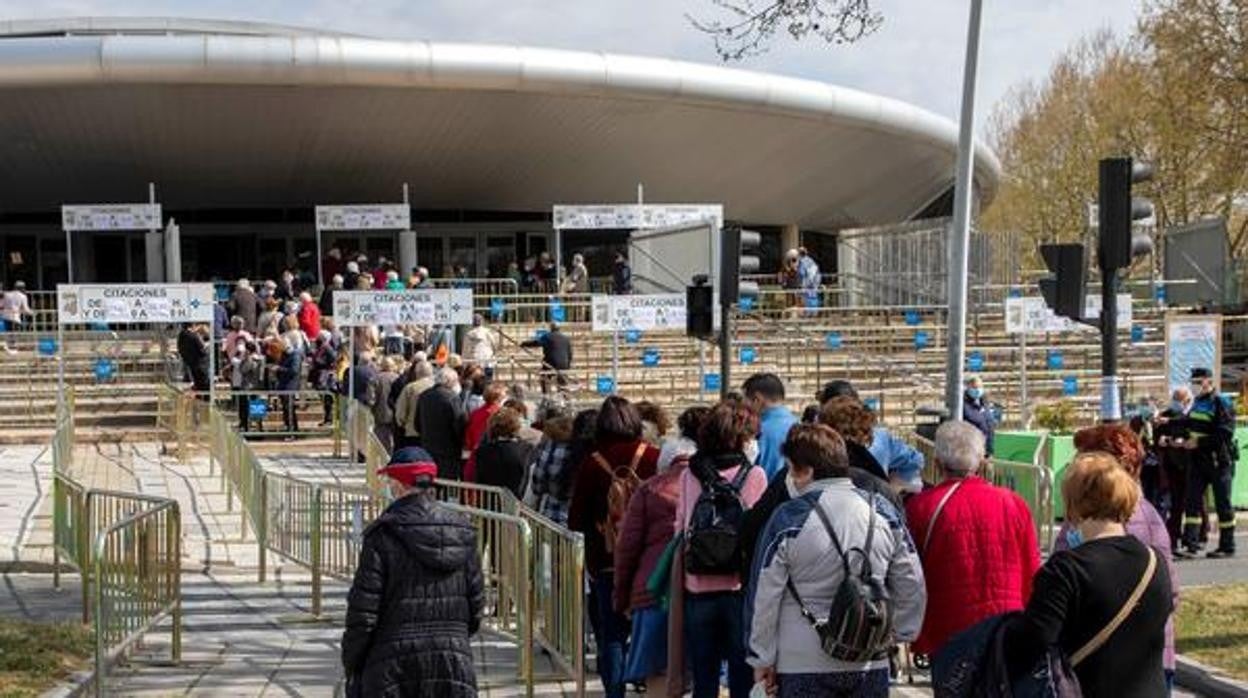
column 136, row 573
column 558, row 568
column 265, row 412
column 240, row 469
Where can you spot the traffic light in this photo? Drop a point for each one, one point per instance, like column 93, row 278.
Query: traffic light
column 1065, row 289
column 738, row 255
column 699, row 308
column 1119, row 243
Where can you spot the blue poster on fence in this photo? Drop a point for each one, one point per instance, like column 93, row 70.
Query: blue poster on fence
column 606, row 385
column 748, row 355
column 104, row 369
column 257, row 408
column 912, row 317
column 920, row 340
column 872, row 404
column 632, row 336
column 650, row 357
column 975, row 361
column 47, row 346
column 833, row 340
column 1054, row 360
column 745, row 303
column 497, row 306
column 1137, row 334
column 710, row 382
column 557, row 312
column 1070, row 385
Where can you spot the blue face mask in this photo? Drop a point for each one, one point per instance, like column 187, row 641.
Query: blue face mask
column 1074, row 538
column 975, row 393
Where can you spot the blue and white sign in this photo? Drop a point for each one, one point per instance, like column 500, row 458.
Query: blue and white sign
column 257, row 408
column 912, row 317
column 650, row 357
column 1192, row 342
column 417, row 306
column 645, row 312
column 745, row 303
column 1070, row 385
column 1054, row 360
column 921, row 340
column 710, row 382
column 833, row 340
column 557, row 312
column 606, row 385
column 1137, row 334
column 497, row 306
column 748, row 355
column 104, row 369
column 134, row 303
column 975, row 361
column 47, row 346
column 1160, row 293
column 632, row 336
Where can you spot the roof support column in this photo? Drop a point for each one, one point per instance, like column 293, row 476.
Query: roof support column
column 790, row 237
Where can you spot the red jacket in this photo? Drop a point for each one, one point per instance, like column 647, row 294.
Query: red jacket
column 310, row 320
column 981, row 558
column 477, row 422
column 588, row 506
column 644, row 533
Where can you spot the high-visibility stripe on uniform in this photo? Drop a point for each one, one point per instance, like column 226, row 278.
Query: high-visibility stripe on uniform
column 1226, row 524
column 1192, row 520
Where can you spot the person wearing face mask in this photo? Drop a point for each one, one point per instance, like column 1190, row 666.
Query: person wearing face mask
column 1105, row 601
column 1174, row 449
column 975, row 410
column 1211, row 425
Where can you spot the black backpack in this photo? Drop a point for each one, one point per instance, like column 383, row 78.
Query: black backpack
column 859, row 625
column 712, row 540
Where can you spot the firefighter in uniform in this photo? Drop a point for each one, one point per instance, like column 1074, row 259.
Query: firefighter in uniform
column 1211, row 424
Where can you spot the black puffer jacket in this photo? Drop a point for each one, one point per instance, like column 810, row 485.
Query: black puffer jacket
column 415, row 601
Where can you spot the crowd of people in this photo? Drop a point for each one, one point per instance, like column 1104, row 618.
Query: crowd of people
column 740, row 545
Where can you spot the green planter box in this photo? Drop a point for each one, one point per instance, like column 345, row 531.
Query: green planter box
column 1020, row 446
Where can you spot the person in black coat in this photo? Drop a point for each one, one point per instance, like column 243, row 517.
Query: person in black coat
column 975, row 409
column 244, row 303
column 440, row 413
column 503, row 457
column 621, row 276
column 193, row 350
column 417, row 596
column 556, row 356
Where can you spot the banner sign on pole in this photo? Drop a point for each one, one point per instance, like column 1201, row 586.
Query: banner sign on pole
column 449, row 306
column 1192, row 342
column 663, row 311
column 111, row 217
column 634, row 216
column 1033, row 316
column 364, row 217
column 134, row 303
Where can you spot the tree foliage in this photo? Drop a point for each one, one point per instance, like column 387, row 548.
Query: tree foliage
column 1174, row 92
column 746, row 27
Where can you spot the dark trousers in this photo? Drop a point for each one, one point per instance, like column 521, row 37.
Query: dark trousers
column 244, row 412
column 849, row 684
column 1177, row 464
column 1205, row 472
column 713, row 636
column 289, row 414
column 611, row 632
column 327, row 402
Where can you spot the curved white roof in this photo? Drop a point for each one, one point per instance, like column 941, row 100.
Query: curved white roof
column 233, row 114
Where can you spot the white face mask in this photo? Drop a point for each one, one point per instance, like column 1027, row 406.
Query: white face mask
column 751, row 450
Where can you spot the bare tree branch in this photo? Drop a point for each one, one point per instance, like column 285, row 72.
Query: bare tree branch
column 746, row 27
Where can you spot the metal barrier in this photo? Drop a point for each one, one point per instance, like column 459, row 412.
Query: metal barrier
column 136, row 570
column 71, row 536
column 505, row 543
column 1034, row 483
column 558, row 568
column 290, row 526
column 240, row 469
column 264, row 406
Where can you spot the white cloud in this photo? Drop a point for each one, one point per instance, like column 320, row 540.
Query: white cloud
column 916, row 56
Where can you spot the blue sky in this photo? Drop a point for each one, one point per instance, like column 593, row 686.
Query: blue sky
column 916, row 55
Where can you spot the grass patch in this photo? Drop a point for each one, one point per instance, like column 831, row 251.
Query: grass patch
column 35, row 656
column 1212, row 627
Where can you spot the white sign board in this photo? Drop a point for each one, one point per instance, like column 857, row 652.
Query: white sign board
column 634, row 216
column 1192, row 342
column 134, row 303
column 111, row 217
column 660, row 311
column 408, row 307
column 1033, row 315
column 364, row 217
